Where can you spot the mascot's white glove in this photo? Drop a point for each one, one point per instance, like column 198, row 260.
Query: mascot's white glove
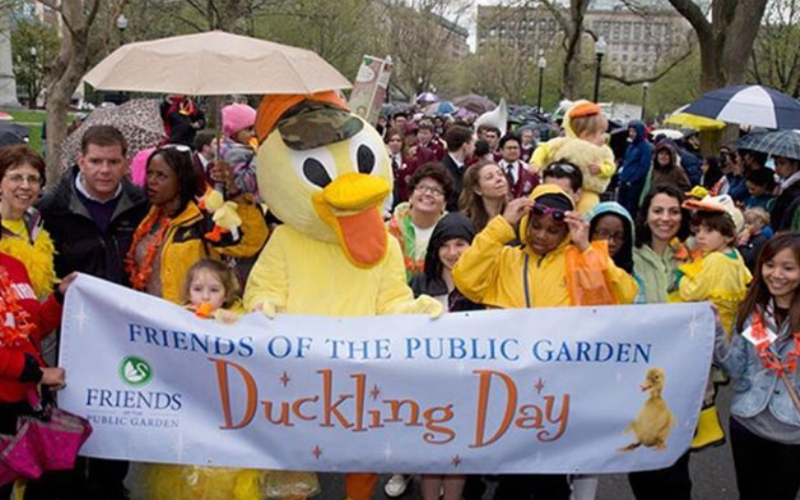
column 266, row 306
column 430, row 306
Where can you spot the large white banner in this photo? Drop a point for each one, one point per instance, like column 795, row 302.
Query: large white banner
column 578, row 390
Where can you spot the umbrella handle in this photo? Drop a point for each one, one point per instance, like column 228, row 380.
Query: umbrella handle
column 218, row 186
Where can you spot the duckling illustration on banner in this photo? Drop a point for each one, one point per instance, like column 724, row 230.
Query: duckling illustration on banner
column 655, row 421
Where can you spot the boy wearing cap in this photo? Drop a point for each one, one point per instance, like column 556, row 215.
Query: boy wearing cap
column 719, row 276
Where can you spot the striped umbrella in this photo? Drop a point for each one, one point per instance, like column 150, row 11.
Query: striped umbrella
column 699, row 123
column 784, row 143
column 749, row 104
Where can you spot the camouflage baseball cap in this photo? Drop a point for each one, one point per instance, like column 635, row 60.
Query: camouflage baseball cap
column 310, row 125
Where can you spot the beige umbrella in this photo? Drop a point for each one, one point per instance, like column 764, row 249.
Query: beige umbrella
column 215, row 63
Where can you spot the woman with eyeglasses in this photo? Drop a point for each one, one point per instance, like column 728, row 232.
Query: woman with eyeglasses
column 484, row 194
column 413, row 221
column 539, row 273
column 176, row 233
column 22, row 175
column 661, row 227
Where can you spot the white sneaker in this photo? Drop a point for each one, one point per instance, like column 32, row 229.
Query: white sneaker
column 397, row 485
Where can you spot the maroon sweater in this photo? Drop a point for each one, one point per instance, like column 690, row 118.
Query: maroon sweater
column 45, row 316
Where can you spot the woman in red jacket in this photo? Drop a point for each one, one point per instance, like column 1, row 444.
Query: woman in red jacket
column 24, row 321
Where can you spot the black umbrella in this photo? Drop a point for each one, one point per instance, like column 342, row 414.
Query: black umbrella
column 13, row 133
column 784, row 143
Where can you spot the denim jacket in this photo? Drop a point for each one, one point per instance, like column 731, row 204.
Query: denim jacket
column 756, row 387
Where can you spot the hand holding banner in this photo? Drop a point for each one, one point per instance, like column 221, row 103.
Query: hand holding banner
column 589, row 390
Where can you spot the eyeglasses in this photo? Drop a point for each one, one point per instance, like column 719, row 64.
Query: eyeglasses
column 561, row 168
column 33, row 180
column 431, row 190
column 556, row 214
column 606, row 235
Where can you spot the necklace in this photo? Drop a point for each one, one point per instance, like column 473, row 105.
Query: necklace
column 770, row 358
column 140, row 275
column 15, row 325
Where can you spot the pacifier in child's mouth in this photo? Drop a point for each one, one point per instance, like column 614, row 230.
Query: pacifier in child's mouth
column 204, row 310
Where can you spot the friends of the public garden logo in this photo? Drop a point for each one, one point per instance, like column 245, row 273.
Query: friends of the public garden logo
column 135, row 371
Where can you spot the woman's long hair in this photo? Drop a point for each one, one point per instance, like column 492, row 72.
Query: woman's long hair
column 182, row 163
column 644, row 236
column 470, row 202
column 758, row 296
column 713, row 174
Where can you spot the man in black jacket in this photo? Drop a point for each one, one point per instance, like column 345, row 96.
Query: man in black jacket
column 788, row 201
column 460, row 146
column 91, row 215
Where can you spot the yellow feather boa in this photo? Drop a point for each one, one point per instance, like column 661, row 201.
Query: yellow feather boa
column 37, row 258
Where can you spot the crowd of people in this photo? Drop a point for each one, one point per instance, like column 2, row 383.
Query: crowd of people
column 484, row 219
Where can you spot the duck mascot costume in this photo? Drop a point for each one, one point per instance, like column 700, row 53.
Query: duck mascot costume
column 325, row 173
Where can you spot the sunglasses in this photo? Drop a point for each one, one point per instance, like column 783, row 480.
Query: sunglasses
column 561, row 168
column 177, row 147
column 556, row 214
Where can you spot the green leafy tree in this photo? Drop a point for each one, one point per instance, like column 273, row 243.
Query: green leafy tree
column 775, row 61
column 34, row 46
column 340, row 32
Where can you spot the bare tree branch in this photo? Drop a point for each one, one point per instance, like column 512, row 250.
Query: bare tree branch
column 692, row 13
column 650, row 78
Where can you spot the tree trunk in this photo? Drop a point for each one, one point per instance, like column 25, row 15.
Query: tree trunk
column 65, row 75
column 726, row 41
column 573, row 81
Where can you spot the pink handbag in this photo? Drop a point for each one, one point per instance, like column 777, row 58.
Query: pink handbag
column 49, row 439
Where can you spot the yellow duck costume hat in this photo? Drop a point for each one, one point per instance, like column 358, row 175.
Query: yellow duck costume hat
column 722, row 203
column 324, row 171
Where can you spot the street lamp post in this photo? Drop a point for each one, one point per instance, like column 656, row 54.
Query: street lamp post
column 33, row 87
column 122, row 25
column 645, row 88
column 542, row 63
column 600, row 47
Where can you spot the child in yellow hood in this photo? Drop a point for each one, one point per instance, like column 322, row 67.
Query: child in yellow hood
column 584, row 146
column 540, row 273
column 534, row 274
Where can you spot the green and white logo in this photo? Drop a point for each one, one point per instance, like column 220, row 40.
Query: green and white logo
column 135, row 371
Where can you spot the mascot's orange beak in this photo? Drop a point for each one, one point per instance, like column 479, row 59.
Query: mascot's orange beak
column 350, row 205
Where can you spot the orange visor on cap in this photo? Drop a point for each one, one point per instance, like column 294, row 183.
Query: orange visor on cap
column 273, row 107
column 704, row 206
column 584, row 109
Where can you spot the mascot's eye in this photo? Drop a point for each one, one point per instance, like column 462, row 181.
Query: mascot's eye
column 316, row 173
column 366, row 159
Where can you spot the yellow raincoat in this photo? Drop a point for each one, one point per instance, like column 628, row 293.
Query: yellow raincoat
column 492, row 273
column 184, row 245
column 720, row 278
